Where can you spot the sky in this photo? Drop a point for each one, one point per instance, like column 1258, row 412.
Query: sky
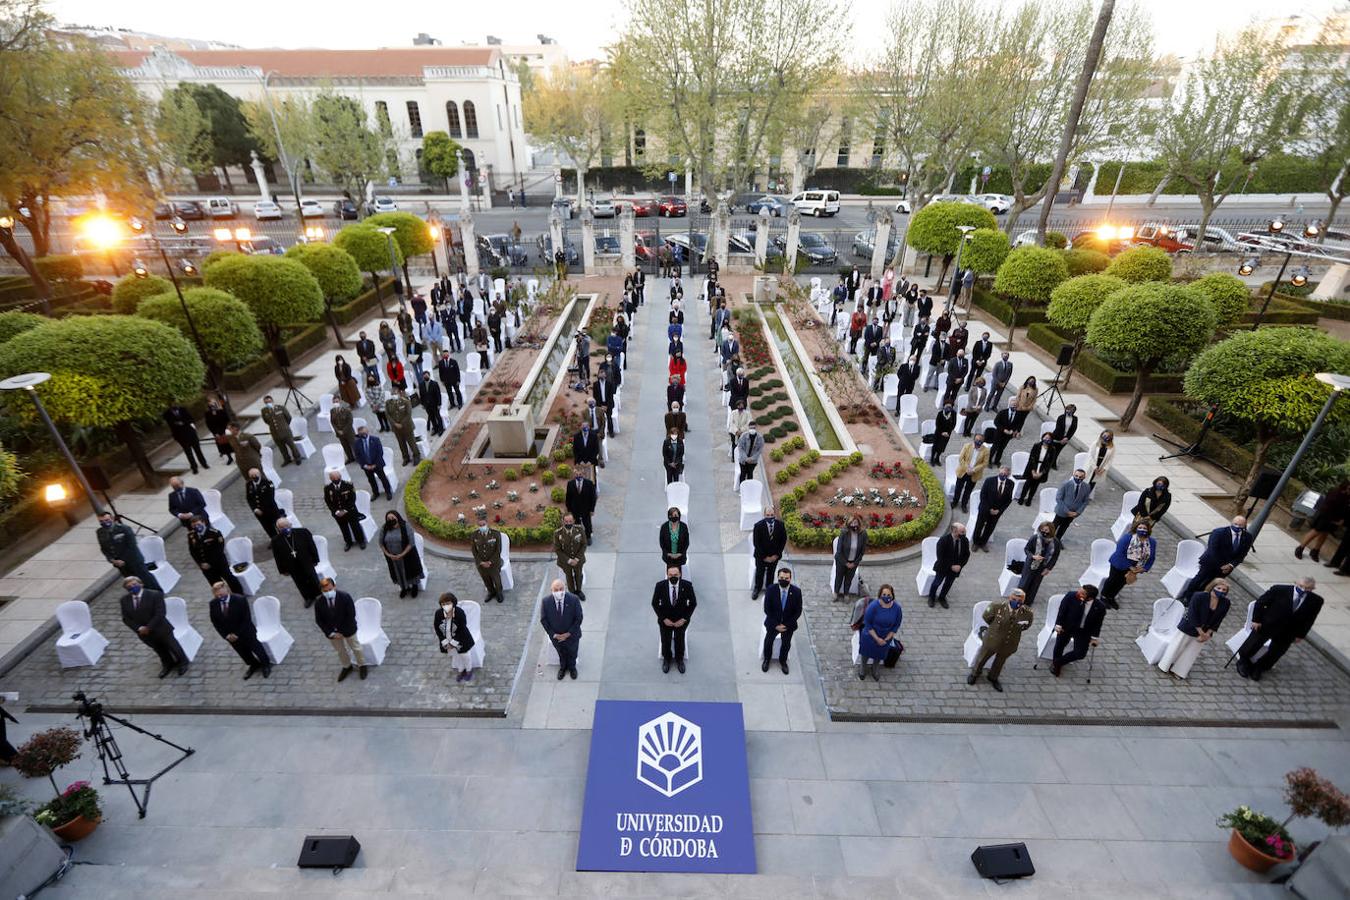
column 583, row 27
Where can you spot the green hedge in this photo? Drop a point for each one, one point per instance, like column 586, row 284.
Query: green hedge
column 921, row 526
column 1095, row 369
column 1329, row 309
column 364, row 302
column 1002, row 310
column 1282, row 311
column 1170, row 412
column 245, row 377
column 60, row 267
column 454, row 531
column 19, row 520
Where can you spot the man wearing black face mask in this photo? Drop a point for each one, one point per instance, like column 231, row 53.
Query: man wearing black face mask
column 782, row 610
column 943, row 426
column 143, row 613
column 233, row 621
column 673, row 539
column 207, row 547
column 768, row 541
column 673, row 602
column 118, row 543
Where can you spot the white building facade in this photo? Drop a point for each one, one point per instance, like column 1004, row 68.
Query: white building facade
column 471, row 93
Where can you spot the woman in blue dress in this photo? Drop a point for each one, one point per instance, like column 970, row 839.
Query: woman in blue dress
column 881, row 624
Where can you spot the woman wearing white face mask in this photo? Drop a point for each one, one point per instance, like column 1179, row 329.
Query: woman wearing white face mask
column 452, row 631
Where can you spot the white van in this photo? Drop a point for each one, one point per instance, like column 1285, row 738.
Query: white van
column 220, row 207
column 817, row 203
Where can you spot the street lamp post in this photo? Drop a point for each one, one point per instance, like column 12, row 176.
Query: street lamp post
column 29, row 383
column 434, row 230
column 960, row 245
column 286, row 162
column 315, row 234
column 1337, row 383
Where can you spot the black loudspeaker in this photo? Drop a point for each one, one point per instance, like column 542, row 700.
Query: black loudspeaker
column 1065, row 355
column 282, row 356
column 1265, row 484
column 97, row 478
column 1003, row 861
column 333, row 852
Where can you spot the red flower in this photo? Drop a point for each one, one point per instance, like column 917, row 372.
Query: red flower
column 909, row 517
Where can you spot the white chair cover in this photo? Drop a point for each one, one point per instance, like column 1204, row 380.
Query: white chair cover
column 973, row 641
column 752, row 503
column 325, row 567
column 909, row 413
column 175, row 610
column 923, row 579
column 152, row 550
column 1166, row 615
column 1237, row 640
column 271, row 633
column 80, row 643
column 300, row 429
column 368, row 525
column 1100, row 566
column 369, row 633
column 322, row 422
column 216, row 512
column 335, row 460
column 390, row 468
column 508, row 577
column 1126, row 517
column 1014, row 549
column 473, row 617
column 1045, row 497
column 949, row 464
column 239, row 552
column 286, row 501
column 268, row 468
column 1185, row 568
column 1045, row 638
column 677, row 494
column 421, row 552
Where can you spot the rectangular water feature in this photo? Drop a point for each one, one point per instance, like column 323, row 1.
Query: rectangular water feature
column 818, row 418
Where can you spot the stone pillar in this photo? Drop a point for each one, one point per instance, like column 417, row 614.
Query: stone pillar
column 881, row 237
column 557, row 182
column 722, row 225
column 470, row 242
column 259, row 174
column 485, row 179
column 588, row 240
column 555, row 233
column 798, row 174
column 790, row 252
column 762, row 238
column 627, row 252
column 464, row 176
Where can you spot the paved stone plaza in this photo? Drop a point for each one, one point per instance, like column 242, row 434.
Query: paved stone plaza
column 1113, row 785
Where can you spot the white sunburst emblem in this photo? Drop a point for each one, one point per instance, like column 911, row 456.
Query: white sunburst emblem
column 670, row 754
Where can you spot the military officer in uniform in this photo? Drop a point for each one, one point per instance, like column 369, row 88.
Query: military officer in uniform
column 340, row 417
column 1005, row 621
column 487, row 556
column 398, row 409
column 339, row 496
column 246, row 448
column 569, row 544
column 262, row 499
column 118, row 543
column 207, row 546
column 278, row 420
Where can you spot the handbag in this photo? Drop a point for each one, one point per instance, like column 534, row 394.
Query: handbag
column 893, row 655
column 1131, row 576
column 927, row 439
column 1016, row 566
column 859, row 608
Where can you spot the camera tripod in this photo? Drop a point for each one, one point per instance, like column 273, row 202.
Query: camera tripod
column 105, row 743
column 1054, row 391
column 293, row 393
column 1193, row 449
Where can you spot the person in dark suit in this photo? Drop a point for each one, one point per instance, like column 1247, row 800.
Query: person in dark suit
column 206, row 545
column 907, row 377
column 261, row 496
column 143, row 613
column 996, row 495
column 1005, row 429
column 1284, row 615
column 957, row 369
column 943, row 426
column 118, row 544
column 1037, row 469
column 580, row 499
column 980, row 352
column 782, row 610
column 925, row 306
column 340, row 498
column 849, row 549
column 738, row 388
column 335, row 614
column 953, row 552
column 919, row 338
column 872, row 337
column 672, row 455
column 451, row 628
column 999, row 377
column 430, row 394
column 675, row 391
column 184, row 430
column 1066, row 426
column 233, row 620
column 673, row 601
column 1079, row 621
column 768, row 541
column 673, row 539
column 560, row 615
column 294, row 553
column 603, row 392
column 366, row 353
column 586, row 450
column 1225, row 550
column 370, row 457
column 185, row 503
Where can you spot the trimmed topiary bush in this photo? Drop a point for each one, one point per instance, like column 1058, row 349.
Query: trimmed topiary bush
column 1226, row 293
column 227, row 328
column 14, row 322
column 1140, row 264
column 335, row 270
column 279, row 291
column 1085, row 261
column 129, row 291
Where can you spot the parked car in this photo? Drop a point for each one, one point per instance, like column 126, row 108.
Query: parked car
column 679, row 245
column 221, row 207
column 903, row 207
column 602, row 207
column 817, row 203
column 640, row 204
column 607, row 243
column 644, row 245
column 998, row 204
column 189, row 210
column 775, row 205
column 810, row 244
column 345, row 209
column 1182, row 239
column 262, row 245
column 163, row 211
column 744, row 242
column 381, row 205
column 500, row 250
column 865, row 241
column 266, row 209
column 311, row 209
column 563, row 205
column 673, row 206
column 1106, row 238
column 545, row 243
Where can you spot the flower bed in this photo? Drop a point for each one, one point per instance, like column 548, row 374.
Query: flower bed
column 894, row 517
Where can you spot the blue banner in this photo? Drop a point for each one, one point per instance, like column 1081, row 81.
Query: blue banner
column 667, row 790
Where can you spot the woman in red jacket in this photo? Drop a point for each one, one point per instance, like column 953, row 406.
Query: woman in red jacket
column 394, row 369
column 678, row 366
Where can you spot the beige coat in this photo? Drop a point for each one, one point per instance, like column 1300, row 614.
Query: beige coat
column 973, row 467
column 1026, row 399
column 1100, row 472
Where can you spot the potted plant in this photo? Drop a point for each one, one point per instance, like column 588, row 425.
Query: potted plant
column 1259, row 842
column 75, row 812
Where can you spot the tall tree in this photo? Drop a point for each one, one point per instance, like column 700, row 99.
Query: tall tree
column 71, row 126
column 184, row 134
column 1327, row 136
column 440, row 155
column 1091, row 58
column 1239, row 104
column 292, row 121
column 345, row 147
column 228, row 129
column 573, row 113
column 935, row 88
column 712, row 80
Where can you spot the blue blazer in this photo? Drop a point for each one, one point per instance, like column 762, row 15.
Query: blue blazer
column 369, row 451
column 780, row 610
column 1198, row 614
column 1120, row 561
column 1221, row 551
column 193, row 502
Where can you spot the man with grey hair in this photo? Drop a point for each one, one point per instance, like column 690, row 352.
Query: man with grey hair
column 1004, row 620
column 560, row 615
column 1283, row 615
column 953, row 552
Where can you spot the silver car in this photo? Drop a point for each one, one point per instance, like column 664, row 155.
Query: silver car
column 603, row 207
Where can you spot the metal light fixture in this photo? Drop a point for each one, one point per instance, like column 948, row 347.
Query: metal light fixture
column 178, row 225
column 314, row 233
column 1337, row 383
column 136, row 224
column 1276, row 226
column 28, row 383
column 7, row 223
column 55, row 495
column 243, row 234
column 1248, row 265
column 1312, row 230
column 188, row 266
column 221, row 234
column 103, row 231
column 140, row 269
column 1299, row 277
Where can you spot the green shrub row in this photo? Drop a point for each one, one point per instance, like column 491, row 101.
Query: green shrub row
column 1097, row 370
column 803, row 535
column 303, row 340
column 1282, row 311
column 1002, row 310
column 796, row 443
column 454, row 531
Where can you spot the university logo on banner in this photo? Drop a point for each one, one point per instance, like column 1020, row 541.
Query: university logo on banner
column 667, row 790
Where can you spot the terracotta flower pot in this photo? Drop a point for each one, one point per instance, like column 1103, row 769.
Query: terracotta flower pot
column 76, row 829
column 1249, row 856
